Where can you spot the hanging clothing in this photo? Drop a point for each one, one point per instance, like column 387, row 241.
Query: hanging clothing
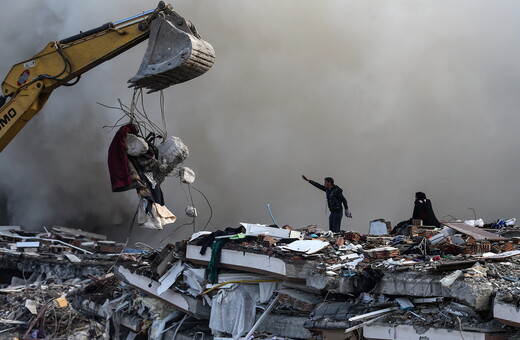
column 146, row 165
column 120, row 177
column 154, row 216
column 214, row 263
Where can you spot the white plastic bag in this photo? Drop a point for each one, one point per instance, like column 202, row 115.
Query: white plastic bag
column 475, row 223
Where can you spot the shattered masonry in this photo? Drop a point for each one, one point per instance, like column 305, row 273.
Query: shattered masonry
column 454, row 282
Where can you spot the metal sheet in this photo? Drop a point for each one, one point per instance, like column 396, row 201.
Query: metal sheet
column 476, row 233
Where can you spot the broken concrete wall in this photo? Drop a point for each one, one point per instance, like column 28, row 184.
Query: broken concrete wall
column 385, row 332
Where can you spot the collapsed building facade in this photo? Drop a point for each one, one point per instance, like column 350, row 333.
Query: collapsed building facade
column 459, row 281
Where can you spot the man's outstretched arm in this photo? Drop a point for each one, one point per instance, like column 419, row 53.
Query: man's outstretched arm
column 317, row 185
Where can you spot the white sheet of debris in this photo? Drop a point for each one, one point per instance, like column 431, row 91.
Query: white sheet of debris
column 307, row 246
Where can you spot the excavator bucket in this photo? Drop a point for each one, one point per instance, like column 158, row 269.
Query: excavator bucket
column 175, row 54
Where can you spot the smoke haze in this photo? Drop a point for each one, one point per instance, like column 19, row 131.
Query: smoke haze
column 388, row 98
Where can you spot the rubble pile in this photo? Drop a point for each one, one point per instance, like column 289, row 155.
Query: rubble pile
column 459, row 281
column 414, row 284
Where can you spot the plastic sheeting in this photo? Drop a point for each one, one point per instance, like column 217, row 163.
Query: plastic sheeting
column 266, row 290
column 233, row 311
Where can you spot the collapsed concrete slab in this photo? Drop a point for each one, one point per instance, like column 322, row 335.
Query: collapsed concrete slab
column 473, row 292
column 285, row 326
column 131, row 322
column 254, row 263
column 54, row 266
column 506, row 313
column 185, row 303
column 390, row 332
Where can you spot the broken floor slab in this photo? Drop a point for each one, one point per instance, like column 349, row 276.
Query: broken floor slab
column 287, row 326
column 187, row 304
column 254, row 263
column 132, row 322
column 506, row 313
column 390, row 332
column 78, row 232
column 474, row 292
column 471, row 291
column 54, row 266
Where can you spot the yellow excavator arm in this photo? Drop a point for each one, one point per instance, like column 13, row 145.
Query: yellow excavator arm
column 175, row 54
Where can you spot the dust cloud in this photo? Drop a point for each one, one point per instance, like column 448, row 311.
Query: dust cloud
column 389, row 98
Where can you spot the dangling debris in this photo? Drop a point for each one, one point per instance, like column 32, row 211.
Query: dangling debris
column 172, row 152
column 153, row 215
column 186, row 175
column 136, row 163
column 135, row 145
column 191, row 211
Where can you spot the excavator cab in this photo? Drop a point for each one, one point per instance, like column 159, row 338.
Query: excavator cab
column 176, row 53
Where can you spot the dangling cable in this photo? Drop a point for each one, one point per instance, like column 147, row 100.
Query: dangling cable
column 165, row 131
column 174, row 230
column 141, row 119
column 209, row 205
column 127, row 239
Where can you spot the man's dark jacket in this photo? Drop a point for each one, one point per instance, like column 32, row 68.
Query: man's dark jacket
column 334, row 195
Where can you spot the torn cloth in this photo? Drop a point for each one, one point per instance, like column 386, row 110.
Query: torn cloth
column 118, row 159
column 213, row 267
column 153, row 216
column 208, row 240
column 134, row 172
column 146, row 166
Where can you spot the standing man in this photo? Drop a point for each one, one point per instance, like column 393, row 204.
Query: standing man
column 335, row 200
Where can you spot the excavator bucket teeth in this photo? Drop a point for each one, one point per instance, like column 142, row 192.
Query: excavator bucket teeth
column 175, row 54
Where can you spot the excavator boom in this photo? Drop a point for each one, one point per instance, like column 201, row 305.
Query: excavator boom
column 175, row 54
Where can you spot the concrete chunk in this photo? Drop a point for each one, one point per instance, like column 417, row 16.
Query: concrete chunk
column 506, row 313
column 187, row 304
column 390, row 332
column 473, row 292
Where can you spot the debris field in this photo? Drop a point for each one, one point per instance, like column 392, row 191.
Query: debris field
column 459, row 281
